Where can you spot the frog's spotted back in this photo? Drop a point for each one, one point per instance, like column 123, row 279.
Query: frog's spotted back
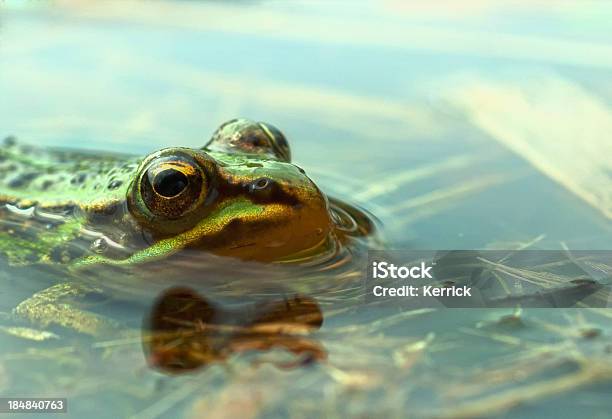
column 31, row 175
column 48, row 198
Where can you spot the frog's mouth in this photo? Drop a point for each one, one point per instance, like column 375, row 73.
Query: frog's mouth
column 242, row 229
column 266, row 232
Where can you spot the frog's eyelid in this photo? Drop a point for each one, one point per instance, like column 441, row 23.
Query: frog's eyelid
column 269, row 134
column 277, row 149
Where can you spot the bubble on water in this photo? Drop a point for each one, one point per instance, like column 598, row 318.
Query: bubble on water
column 123, row 237
column 21, row 209
column 99, row 245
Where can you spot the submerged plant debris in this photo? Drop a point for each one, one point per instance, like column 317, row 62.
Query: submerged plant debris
column 564, row 142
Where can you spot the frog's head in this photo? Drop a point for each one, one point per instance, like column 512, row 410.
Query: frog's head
column 240, row 196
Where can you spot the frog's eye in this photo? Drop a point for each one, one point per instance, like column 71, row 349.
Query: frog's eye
column 250, row 137
column 171, row 186
column 281, row 145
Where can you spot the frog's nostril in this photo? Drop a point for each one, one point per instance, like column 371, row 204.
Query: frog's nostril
column 170, row 182
column 261, row 183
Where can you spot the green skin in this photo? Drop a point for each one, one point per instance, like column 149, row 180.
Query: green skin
column 78, row 210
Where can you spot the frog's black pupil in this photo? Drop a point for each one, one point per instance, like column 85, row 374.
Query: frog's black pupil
column 170, row 183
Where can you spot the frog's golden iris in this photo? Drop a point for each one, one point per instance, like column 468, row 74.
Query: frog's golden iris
column 171, row 186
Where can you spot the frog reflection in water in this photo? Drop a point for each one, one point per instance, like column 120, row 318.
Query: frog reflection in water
column 186, row 331
column 239, row 196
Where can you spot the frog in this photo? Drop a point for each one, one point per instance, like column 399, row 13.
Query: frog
column 239, row 196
